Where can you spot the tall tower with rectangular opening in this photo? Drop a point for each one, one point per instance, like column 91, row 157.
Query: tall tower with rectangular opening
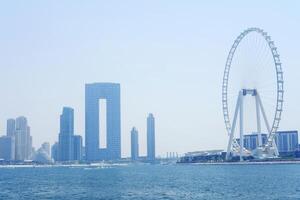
column 94, row 93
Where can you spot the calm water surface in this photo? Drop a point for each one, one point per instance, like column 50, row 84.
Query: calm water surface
column 280, row 181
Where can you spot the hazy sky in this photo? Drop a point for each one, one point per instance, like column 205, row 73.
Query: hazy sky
column 168, row 56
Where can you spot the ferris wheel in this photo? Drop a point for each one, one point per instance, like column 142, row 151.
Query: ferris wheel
column 253, row 71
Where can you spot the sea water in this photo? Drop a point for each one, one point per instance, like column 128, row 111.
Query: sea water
column 145, row 181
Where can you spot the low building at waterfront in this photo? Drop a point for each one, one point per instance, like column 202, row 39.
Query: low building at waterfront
column 287, row 142
column 203, row 156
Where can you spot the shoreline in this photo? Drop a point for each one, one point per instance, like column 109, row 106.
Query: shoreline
column 109, row 165
column 247, row 163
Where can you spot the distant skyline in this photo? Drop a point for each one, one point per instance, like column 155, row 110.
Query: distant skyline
column 167, row 56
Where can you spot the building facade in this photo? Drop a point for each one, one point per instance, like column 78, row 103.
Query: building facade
column 111, row 93
column 65, row 142
column 23, row 140
column 286, row 141
column 251, row 140
column 7, row 148
column 150, row 137
column 11, row 127
column 54, row 151
column 134, row 144
column 77, row 143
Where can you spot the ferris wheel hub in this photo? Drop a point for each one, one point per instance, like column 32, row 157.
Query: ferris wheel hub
column 252, row 92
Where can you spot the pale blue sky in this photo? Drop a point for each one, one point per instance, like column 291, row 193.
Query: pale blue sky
column 168, row 56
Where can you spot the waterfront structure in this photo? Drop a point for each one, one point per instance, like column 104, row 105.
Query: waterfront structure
column 54, row 151
column 23, row 139
column 203, row 156
column 65, row 142
column 134, row 144
column 150, row 137
column 172, row 155
column 77, row 144
column 7, row 148
column 93, row 94
column 287, row 142
column 11, row 127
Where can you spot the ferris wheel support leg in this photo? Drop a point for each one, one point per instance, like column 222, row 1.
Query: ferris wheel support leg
column 275, row 148
column 271, row 139
column 236, row 112
column 241, row 127
column 263, row 113
column 258, row 121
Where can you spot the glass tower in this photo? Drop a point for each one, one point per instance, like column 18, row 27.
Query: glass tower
column 65, row 144
column 111, row 93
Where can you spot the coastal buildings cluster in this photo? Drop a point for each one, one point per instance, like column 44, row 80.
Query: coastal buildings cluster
column 286, row 142
column 17, row 144
column 105, row 120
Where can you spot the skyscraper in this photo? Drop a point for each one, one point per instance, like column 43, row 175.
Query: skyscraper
column 65, row 143
column 23, row 140
column 77, row 143
column 7, row 147
column 134, row 144
column 93, row 94
column 150, row 137
column 11, row 127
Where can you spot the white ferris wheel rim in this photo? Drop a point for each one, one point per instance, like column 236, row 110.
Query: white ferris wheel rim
column 279, row 80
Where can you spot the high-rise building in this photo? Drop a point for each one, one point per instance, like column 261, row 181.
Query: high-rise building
column 93, row 94
column 23, row 140
column 77, row 143
column 65, row 143
column 134, row 144
column 286, row 141
column 54, row 151
column 7, row 147
column 150, row 137
column 11, row 127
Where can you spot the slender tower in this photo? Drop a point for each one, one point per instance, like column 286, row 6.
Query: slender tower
column 150, row 137
column 65, row 144
column 134, row 144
